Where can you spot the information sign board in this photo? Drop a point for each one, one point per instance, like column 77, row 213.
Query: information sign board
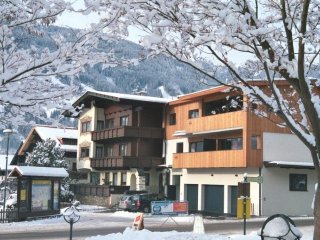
column 169, row 207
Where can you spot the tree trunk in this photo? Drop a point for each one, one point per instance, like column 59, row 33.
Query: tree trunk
column 316, row 235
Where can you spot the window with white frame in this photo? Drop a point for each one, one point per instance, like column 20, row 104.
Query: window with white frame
column 123, row 149
column 124, row 121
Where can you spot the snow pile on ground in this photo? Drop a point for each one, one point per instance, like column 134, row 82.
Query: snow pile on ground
column 129, row 234
column 278, row 227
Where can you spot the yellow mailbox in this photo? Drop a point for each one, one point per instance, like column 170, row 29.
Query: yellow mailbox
column 240, row 207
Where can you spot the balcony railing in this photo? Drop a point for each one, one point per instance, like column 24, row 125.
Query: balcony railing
column 210, row 159
column 126, row 162
column 127, row 131
column 217, row 122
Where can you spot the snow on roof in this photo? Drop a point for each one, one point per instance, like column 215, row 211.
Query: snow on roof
column 3, row 162
column 39, row 171
column 69, row 148
column 290, row 164
column 119, row 96
column 52, row 132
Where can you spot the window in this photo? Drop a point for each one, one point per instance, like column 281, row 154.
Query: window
column 196, row 147
column 123, row 149
column 100, row 125
column 110, row 123
column 68, row 141
column 115, row 179
column 193, row 113
column 255, row 142
column 172, row 119
column 85, row 127
column 99, row 152
column 84, row 152
column 109, row 150
column 107, row 178
column 74, row 166
column 124, row 121
column 95, row 178
column 147, row 179
column 179, row 147
column 230, row 144
column 298, row 182
column 123, row 178
column 229, row 104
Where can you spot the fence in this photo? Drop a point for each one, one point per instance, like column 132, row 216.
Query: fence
column 97, row 190
column 8, row 215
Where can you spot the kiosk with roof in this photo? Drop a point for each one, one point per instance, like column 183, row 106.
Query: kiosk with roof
column 38, row 192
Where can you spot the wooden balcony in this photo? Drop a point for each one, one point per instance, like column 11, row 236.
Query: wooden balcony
column 217, row 122
column 210, row 159
column 126, row 162
column 127, row 131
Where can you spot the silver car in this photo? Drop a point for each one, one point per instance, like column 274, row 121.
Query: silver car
column 125, row 202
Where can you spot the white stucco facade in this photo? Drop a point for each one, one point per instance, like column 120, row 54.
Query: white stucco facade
column 276, row 194
column 171, row 148
column 277, row 197
column 222, row 177
column 284, row 147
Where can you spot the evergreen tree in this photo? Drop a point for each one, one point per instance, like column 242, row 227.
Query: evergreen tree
column 47, row 154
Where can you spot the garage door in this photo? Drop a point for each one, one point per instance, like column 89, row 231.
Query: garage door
column 192, row 196
column 214, row 199
column 234, row 194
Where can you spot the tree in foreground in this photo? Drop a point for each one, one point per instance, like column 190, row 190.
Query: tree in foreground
column 49, row 154
column 277, row 39
column 30, row 82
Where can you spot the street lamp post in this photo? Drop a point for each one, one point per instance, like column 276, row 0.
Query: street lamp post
column 8, row 133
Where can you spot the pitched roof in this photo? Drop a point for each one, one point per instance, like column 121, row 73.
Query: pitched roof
column 53, row 133
column 20, row 171
column 119, row 96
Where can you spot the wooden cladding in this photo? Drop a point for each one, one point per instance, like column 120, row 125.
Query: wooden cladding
column 127, row 131
column 208, row 123
column 210, row 159
column 126, row 162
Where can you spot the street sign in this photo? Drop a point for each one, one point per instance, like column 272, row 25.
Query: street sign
column 258, row 179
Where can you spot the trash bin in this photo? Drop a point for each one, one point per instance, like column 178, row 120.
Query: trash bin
column 279, row 226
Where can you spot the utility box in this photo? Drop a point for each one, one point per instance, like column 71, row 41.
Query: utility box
column 240, row 207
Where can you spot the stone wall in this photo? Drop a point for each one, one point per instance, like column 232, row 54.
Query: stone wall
column 93, row 200
column 99, row 201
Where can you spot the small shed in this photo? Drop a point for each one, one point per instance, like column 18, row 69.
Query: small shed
column 38, row 192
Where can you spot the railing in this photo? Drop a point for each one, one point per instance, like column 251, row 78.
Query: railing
column 127, row 131
column 225, row 158
column 8, row 215
column 92, row 190
column 97, row 190
column 126, row 161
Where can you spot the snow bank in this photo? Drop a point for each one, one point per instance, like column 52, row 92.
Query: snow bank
column 129, row 234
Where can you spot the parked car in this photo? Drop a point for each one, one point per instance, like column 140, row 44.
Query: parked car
column 125, row 202
column 142, row 202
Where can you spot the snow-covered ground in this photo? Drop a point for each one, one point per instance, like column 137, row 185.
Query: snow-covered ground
column 90, row 218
